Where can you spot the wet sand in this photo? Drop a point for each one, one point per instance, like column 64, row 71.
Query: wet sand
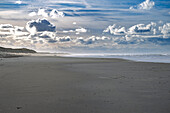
column 83, row 85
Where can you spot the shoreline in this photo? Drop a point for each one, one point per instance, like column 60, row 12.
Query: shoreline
column 65, row 55
column 9, row 55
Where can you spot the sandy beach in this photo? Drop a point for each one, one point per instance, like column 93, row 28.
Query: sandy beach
column 51, row 84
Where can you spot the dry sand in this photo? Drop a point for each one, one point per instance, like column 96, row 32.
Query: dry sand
column 79, row 85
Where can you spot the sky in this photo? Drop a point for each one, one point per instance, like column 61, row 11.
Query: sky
column 108, row 26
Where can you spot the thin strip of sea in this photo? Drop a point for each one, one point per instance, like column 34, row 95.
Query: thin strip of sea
column 161, row 58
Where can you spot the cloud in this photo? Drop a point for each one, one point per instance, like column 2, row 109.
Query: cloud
column 63, row 39
column 146, row 5
column 85, row 3
column 32, row 14
column 136, row 35
column 77, row 31
column 31, row 30
column 51, row 37
column 43, row 12
column 141, row 34
column 8, row 29
column 13, row 35
column 74, row 23
column 142, row 28
column 18, row 2
column 115, row 30
column 47, row 34
column 56, row 14
column 41, row 34
column 39, row 25
column 135, row 29
column 165, row 30
column 69, row 31
column 92, row 40
column 92, row 20
column 81, row 30
column 6, row 26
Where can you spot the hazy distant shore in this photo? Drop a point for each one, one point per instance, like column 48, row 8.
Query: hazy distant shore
column 8, row 55
column 11, row 55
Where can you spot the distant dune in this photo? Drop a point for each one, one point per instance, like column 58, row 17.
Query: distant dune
column 9, row 52
column 22, row 50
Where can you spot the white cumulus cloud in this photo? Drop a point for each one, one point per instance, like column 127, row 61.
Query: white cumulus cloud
column 18, row 2
column 69, row 31
column 81, row 30
column 74, row 23
column 63, row 39
column 56, row 14
column 39, row 25
column 92, row 40
column 115, row 30
column 76, row 31
column 44, row 13
column 41, row 12
column 165, row 30
column 135, row 29
column 8, row 29
column 142, row 28
column 32, row 14
column 146, row 5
